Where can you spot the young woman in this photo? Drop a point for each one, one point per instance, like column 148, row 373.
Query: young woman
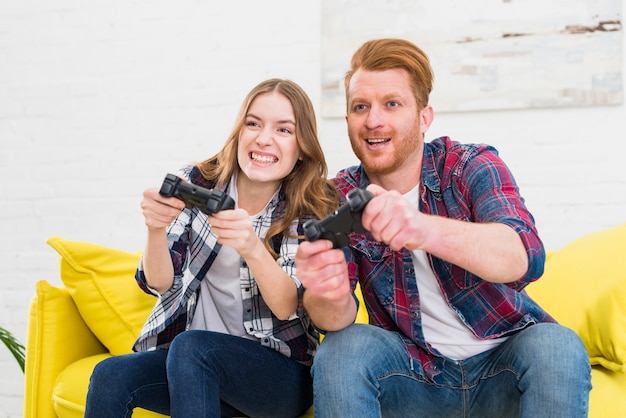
column 228, row 335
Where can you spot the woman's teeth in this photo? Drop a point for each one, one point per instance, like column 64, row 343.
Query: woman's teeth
column 263, row 159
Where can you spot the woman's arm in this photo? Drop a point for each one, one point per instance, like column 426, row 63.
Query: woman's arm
column 159, row 212
column 234, row 228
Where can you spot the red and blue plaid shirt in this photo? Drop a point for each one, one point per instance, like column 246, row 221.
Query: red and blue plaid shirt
column 471, row 183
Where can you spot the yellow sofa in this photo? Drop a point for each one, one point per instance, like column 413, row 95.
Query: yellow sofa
column 99, row 311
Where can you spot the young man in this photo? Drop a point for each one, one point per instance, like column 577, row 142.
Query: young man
column 450, row 248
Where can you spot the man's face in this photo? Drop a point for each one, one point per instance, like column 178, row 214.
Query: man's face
column 384, row 121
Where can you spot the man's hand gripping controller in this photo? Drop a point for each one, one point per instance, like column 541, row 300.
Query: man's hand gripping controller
column 337, row 226
column 208, row 201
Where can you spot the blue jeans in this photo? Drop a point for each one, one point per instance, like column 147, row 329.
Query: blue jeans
column 365, row 371
column 203, row 374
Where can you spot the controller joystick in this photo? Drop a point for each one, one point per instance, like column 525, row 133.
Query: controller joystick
column 337, row 226
column 208, row 201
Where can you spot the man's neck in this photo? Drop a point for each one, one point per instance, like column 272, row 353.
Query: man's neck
column 402, row 179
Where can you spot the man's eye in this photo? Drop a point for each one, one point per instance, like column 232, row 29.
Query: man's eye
column 393, row 103
column 359, row 107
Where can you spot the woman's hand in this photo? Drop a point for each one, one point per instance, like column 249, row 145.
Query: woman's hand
column 159, row 211
column 234, row 229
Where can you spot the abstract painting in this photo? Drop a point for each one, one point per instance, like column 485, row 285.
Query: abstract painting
column 487, row 54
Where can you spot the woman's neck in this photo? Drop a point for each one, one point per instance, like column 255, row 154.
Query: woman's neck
column 254, row 196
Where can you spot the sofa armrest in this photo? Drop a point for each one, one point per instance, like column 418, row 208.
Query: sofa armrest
column 57, row 336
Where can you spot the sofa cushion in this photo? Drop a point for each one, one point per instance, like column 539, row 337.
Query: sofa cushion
column 584, row 288
column 70, row 389
column 57, row 336
column 608, row 395
column 101, row 282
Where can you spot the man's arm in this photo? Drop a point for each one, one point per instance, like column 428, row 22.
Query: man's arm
column 492, row 251
column 324, row 274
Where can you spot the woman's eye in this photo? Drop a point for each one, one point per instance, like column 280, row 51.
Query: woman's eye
column 285, row 131
column 251, row 123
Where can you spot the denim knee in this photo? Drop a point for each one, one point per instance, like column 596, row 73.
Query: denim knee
column 555, row 346
column 107, row 371
column 186, row 351
column 183, row 343
column 347, row 343
column 109, row 389
column 359, row 347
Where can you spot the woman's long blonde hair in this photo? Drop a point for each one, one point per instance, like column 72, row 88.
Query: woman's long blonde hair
column 307, row 189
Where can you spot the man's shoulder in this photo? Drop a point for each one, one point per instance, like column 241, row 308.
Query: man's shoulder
column 445, row 146
column 349, row 178
column 194, row 175
column 454, row 157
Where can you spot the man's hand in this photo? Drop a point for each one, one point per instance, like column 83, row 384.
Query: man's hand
column 393, row 220
column 324, row 274
column 322, row 270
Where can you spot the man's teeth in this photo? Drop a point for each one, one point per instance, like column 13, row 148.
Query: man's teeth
column 376, row 140
column 263, row 159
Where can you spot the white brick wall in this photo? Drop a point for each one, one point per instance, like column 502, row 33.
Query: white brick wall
column 98, row 100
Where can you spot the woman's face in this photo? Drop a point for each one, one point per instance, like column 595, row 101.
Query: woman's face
column 268, row 149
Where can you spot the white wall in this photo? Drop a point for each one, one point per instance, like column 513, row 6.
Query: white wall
column 99, row 99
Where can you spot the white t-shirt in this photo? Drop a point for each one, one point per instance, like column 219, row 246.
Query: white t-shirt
column 220, row 306
column 442, row 326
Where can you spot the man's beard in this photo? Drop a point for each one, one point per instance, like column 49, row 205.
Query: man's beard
column 403, row 148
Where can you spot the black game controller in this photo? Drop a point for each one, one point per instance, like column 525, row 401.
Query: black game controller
column 208, row 201
column 337, row 226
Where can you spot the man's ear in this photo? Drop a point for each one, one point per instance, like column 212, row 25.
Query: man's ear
column 427, row 115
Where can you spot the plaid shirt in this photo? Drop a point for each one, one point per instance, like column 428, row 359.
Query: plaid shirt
column 466, row 182
column 193, row 249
